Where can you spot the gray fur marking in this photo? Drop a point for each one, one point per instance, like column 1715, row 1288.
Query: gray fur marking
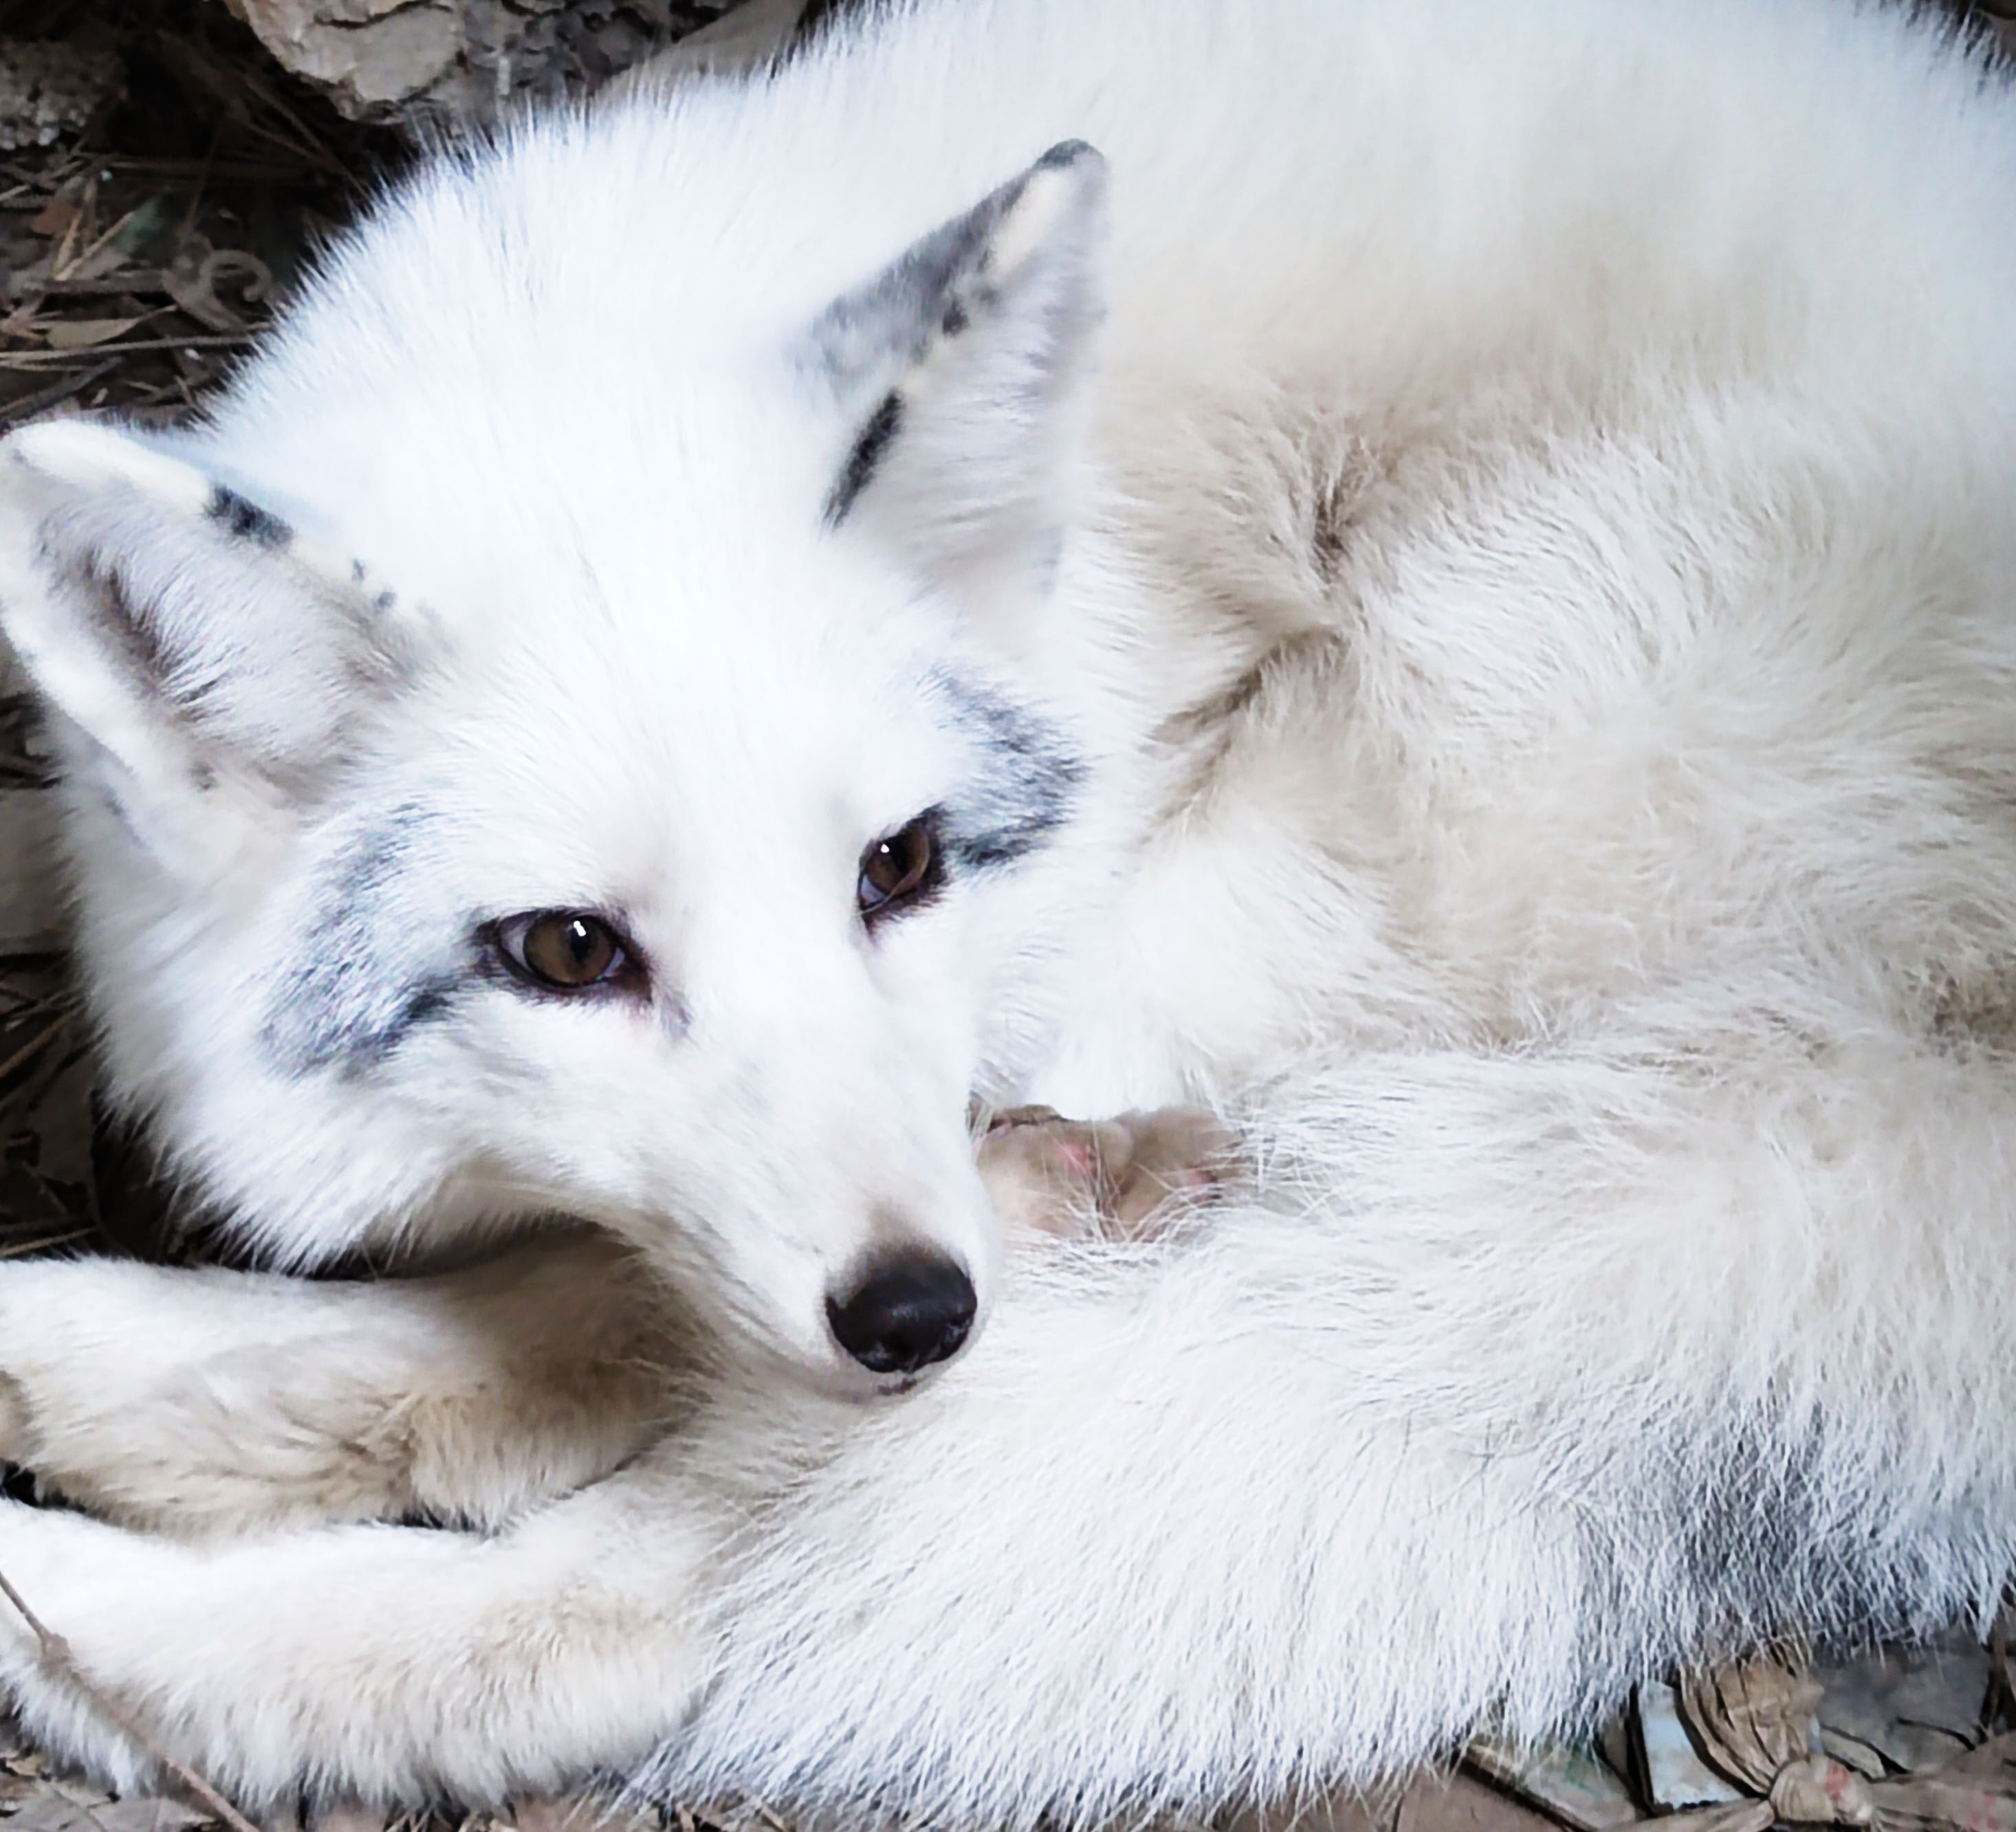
column 940, row 287
column 356, row 991
column 245, row 520
column 873, row 440
column 1025, row 791
column 123, row 627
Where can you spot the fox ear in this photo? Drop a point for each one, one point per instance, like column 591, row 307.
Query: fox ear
column 209, row 659
column 965, row 364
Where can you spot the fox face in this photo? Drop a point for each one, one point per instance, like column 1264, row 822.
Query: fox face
column 646, row 812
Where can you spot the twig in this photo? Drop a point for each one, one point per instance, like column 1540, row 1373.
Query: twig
column 31, row 1049
column 222, row 172
column 150, row 281
column 36, row 359
column 71, row 268
column 2002, row 1687
column 57, row 391
column 308, row 144
column 202, row 184
column 57, row 1659
column 40, row 1243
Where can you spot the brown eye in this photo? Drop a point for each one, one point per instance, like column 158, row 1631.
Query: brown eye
column 566, row 950
column 899, row 869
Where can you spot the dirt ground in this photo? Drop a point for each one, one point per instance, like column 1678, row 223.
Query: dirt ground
column 153, row 214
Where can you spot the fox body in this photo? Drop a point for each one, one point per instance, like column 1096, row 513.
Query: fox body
column 1435, row 578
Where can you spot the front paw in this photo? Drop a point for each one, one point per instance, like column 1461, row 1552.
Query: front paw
column 1125, row 1178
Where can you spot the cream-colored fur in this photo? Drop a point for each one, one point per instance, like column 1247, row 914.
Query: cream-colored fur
column 1453, row 588
column 204, row 1403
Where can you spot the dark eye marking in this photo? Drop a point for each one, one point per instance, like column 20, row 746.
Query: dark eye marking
column 1028, row 785
column 900, row 870
column 371, row 971
column 568, row 952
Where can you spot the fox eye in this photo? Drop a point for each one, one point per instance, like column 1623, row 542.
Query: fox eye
column 899, row 869
column 565, row 950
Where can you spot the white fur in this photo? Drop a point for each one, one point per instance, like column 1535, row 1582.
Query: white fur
column 1530, row 586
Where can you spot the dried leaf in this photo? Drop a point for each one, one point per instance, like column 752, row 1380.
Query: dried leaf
column 1932, row 1803
column 62, row 1805
column 192, row 281
column 1742, row 1815
column 1817, row 1789
column 1751, row 1718
column 81, row 333
column 55, row 217
column 153, row 1813
column 46, row 1811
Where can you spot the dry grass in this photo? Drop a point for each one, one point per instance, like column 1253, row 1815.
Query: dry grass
column 138, row 259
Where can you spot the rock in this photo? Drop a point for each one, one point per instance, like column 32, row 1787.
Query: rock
column 369, row 54
column 48, row 91
column 1674, row 1776
column 1918, row 1708
column 466, row 61
column 1570, row 1783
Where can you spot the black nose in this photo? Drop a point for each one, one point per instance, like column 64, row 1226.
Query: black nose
column 906, row 1314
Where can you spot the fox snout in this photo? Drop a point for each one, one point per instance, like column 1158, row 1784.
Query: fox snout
column 904, row 1311
column 864, row 1267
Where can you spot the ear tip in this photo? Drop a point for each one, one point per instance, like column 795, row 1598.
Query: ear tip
column 46, row 445
column 1066, row 186
column 1077, row 164
column 1068, row 153
column 91, row 454
column 53, row 452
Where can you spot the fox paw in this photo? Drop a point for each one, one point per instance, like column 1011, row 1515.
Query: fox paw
column 1123, row 1178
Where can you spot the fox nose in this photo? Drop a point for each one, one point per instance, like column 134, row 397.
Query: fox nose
column 906, row 1314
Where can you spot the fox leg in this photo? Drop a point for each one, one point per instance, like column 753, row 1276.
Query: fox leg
column 383, row 1663
column 201, row 1402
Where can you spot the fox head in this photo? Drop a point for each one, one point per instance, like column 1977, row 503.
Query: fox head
column 584, row 744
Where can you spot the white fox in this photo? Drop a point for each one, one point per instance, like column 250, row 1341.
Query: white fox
column 1434, row 579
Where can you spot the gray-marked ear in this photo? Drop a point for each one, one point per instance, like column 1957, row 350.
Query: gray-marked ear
column 210, row 658
column 964, row 365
